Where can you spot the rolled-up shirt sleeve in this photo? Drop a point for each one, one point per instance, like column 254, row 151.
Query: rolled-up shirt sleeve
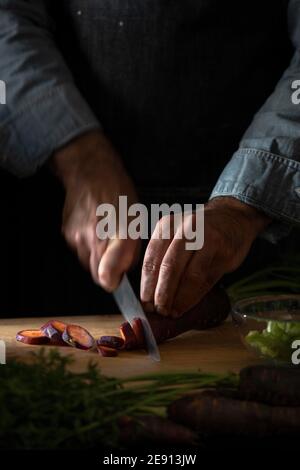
column 44, row 109
column 265, row 171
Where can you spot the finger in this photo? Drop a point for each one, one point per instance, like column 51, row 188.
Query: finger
column 96, row 249
column 117, row 259
column 95, row 258
column 202, row 273
column 154, row 254
column 171, row 270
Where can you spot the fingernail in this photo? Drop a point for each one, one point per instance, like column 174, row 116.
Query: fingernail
column 162, row 310
column 149, row 307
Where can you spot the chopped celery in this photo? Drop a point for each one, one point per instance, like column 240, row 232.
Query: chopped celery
column 275, row 341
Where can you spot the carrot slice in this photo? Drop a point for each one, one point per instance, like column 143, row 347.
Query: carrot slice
column 32, row 337
column 54, row 330
column 137, row 326
column 78, row 337
column 128, row 336
column 106, row 351
column 114, row 342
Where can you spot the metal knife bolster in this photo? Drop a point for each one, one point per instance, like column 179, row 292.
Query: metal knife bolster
column 131, row 308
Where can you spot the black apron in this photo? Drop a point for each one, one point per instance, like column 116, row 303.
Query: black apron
column 174, row 83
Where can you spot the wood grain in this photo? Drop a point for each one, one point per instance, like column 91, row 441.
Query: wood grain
column 215, row 350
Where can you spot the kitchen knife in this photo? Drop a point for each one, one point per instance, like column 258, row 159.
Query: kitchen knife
column 131, row 308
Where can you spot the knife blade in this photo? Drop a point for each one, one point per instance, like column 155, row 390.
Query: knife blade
column 131, row 308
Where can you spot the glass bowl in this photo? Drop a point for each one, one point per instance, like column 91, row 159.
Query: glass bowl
column 269, row 327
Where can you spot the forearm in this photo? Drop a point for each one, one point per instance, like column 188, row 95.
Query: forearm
column 84, row 156
column 44, row 108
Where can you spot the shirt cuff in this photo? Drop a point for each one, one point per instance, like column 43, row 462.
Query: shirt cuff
column 31, row 134
column 269, row 182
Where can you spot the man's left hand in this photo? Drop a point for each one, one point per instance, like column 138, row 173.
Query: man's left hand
column 175, row 279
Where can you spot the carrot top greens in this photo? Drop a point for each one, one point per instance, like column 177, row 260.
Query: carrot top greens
column 46, row 406
column 274, row 279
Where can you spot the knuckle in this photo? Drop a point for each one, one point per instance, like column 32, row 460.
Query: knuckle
column 150, row 267
column 168, row 267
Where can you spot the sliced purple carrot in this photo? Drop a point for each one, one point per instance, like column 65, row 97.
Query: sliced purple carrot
column 54, row 330
column 78, row 337
column 138, row 329
column 32, row 337
column 114, row 342
column 128, row 336
column 106, row 351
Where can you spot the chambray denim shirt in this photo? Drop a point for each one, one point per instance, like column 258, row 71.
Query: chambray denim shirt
column 46, row 109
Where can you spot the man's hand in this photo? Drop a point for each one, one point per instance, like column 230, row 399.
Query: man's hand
column 92, row 173
column 175, row 279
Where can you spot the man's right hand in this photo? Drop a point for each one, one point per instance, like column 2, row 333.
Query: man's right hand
column 92, row 174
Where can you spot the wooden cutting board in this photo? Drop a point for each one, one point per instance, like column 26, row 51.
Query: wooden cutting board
column 214, row 350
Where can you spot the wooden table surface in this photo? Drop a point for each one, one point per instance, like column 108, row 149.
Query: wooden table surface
column 214, row 350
